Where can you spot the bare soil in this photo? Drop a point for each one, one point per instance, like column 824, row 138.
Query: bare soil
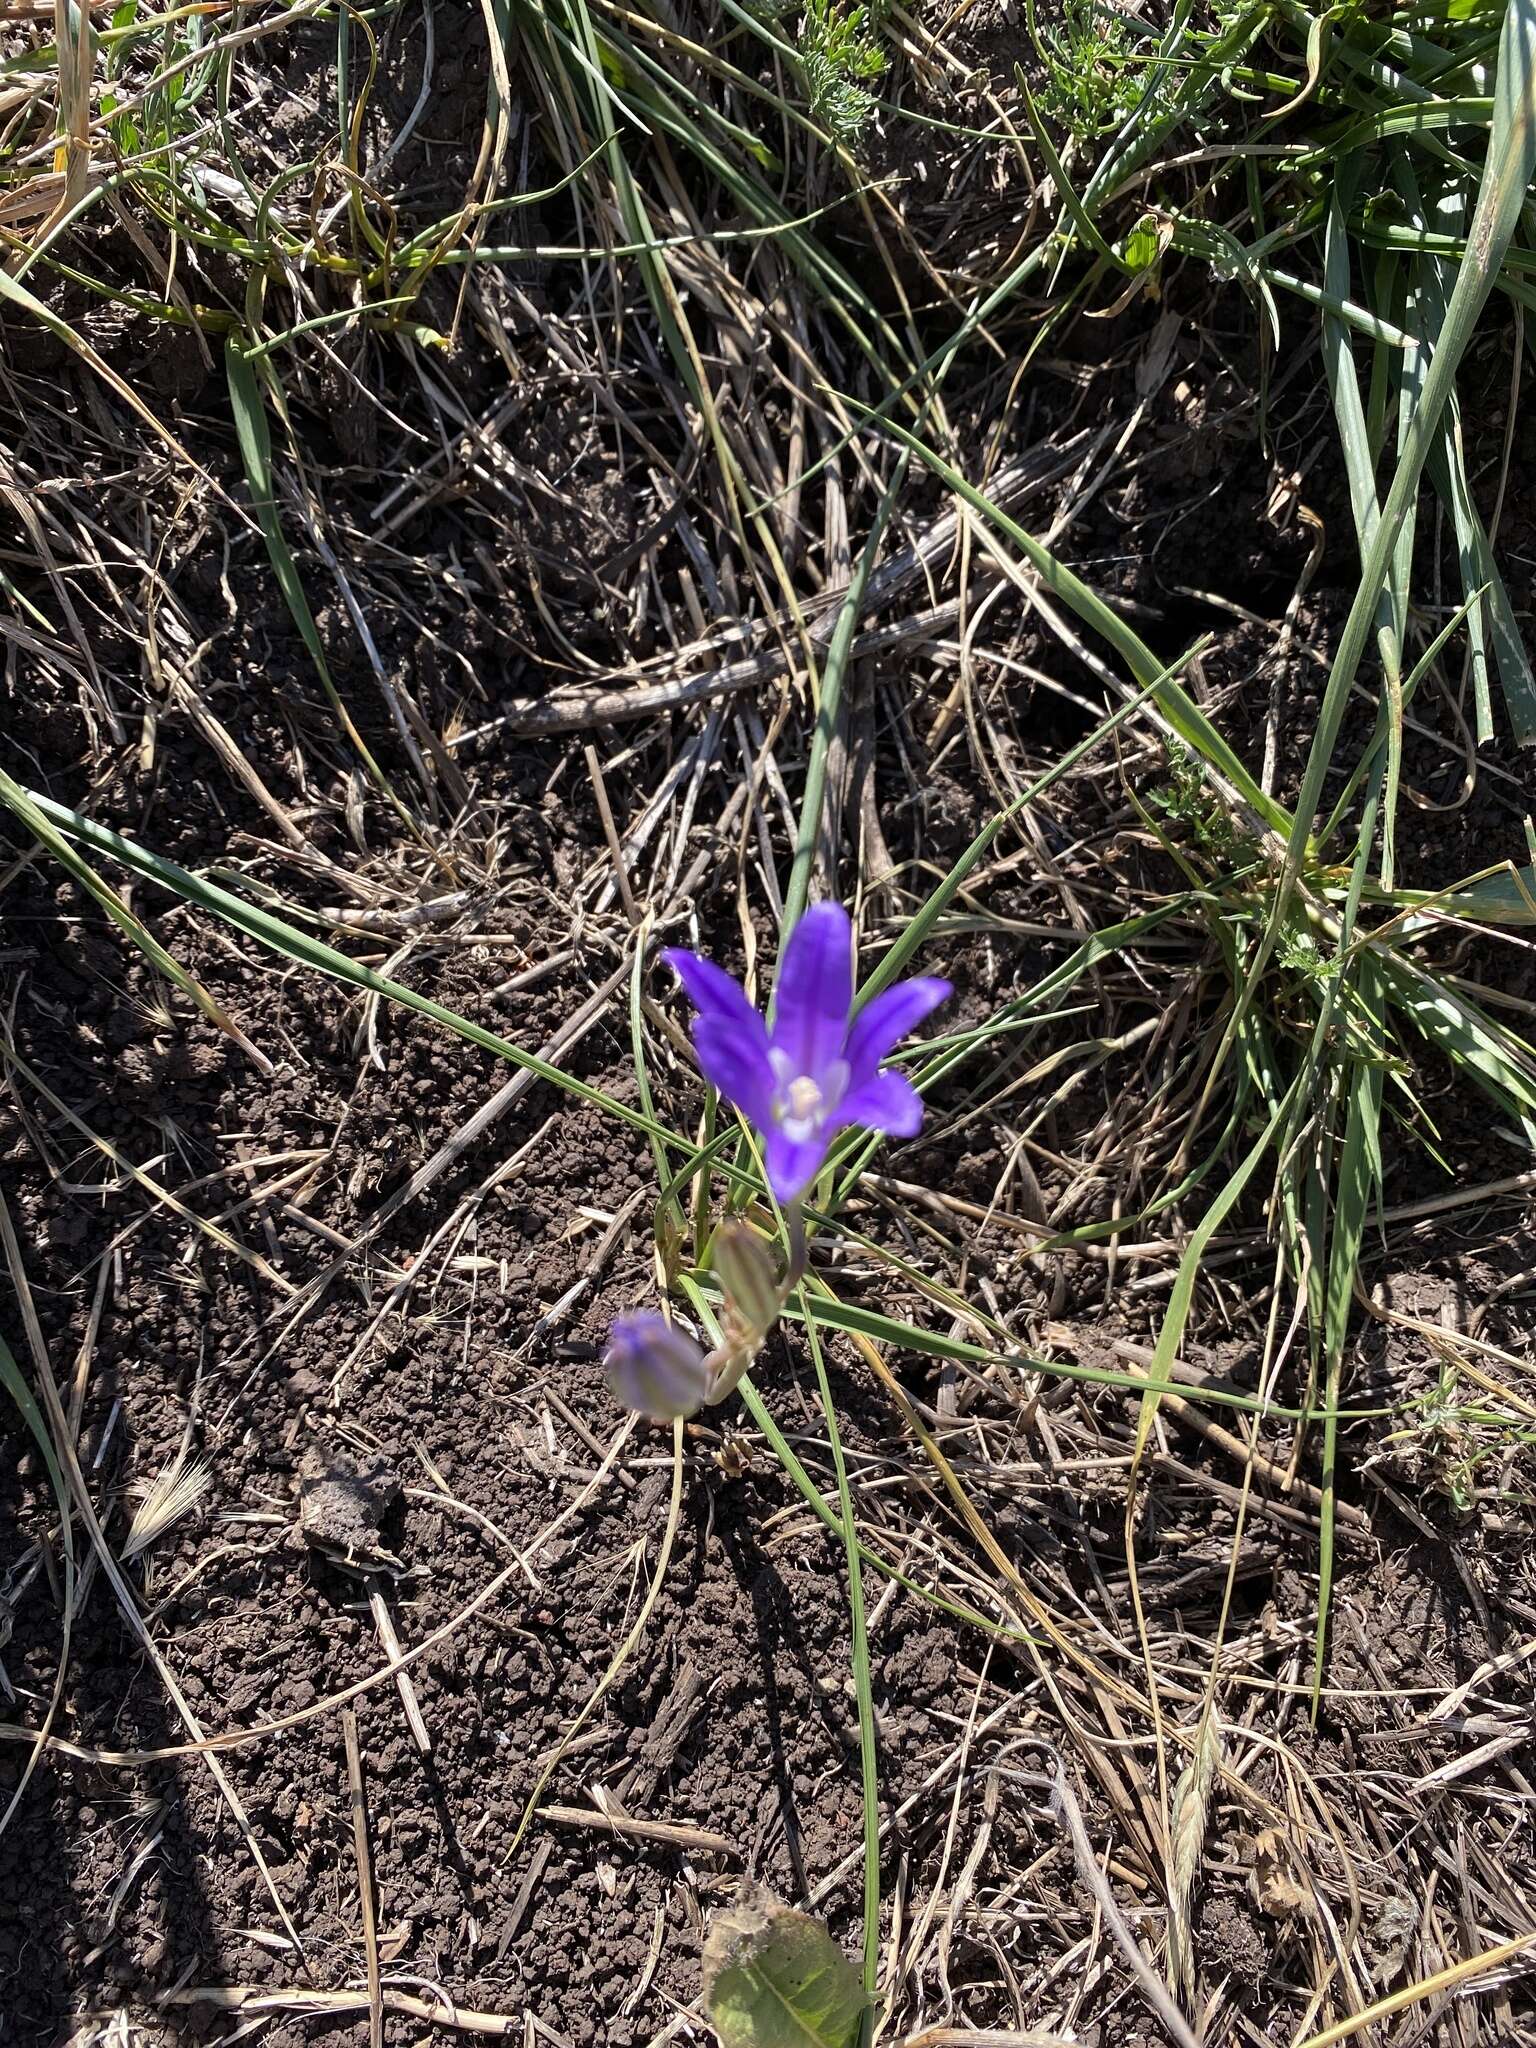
column 386, row 1363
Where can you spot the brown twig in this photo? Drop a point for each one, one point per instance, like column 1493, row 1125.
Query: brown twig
column 364, row 1875
column 609, row 1820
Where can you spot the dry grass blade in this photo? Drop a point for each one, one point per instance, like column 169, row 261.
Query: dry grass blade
column 1441, row 1982
column 1065, row 1808
column 258, row 2000
column 986, row 2037
column 610, row 1820
column 75, row 39
column 358, row 1799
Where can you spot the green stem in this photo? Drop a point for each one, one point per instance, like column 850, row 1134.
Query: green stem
column 869, row 1768
column 799, row 1250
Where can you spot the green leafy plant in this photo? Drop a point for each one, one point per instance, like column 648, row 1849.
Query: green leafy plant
column 1088, row 51
column 775, row 1978
column 841, row 60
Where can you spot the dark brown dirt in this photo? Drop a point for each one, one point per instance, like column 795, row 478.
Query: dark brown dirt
column 124, row 1883
column 259, row 1625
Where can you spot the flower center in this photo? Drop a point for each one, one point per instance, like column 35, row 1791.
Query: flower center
column 803, row 1102
column 803, row 1097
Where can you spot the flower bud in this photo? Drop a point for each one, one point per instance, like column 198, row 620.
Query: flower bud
column 744, row 1267
column 655, row 1367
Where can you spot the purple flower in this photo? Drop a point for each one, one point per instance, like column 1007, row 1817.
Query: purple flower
column 817, row 1070
column 655, row 1367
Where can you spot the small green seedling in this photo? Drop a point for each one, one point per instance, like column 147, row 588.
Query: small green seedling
column 775, row 1978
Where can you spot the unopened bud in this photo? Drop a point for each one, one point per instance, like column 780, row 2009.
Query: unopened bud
column 744, row 1267
column 655, row 1367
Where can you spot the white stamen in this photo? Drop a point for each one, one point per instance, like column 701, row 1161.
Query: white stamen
column 803, row 1103
column 804, row 1097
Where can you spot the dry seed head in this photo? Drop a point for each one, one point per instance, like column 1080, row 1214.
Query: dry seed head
column 173, row 1494
column 1191, row 1814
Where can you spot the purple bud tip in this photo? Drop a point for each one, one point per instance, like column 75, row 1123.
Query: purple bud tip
column 655, row 1367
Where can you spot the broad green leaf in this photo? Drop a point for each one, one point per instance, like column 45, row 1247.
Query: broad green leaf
column 1506, row 897
column 1144, row 244
column 775, row 1978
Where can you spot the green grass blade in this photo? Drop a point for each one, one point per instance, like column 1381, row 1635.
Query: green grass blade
column 828, row 701
column 1495, row 633
column 1506, row 897
column 1072, row 205
column 811, row 1493
column 32, row 812
column 1359, row 1182
column 670, row 1222
column 1501, row 1062
column 869, row 1766
column 1348, row 406
column 1369, row 761
column 14, row 1382
column 53, row 1454
column 1350, row 311
column 1170, row 1335
column 921, row 924
column 1416, row 118
column 858, row 1320
column 250, row 415
column 1178, row 709
column 292, row 943
column 1505, row 183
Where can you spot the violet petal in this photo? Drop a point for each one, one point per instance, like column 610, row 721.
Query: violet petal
column 732, row 1062
column 814, row 990
column 888, row 1102
column 715, row 993
column 793, row 1163
column 887, row 1019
